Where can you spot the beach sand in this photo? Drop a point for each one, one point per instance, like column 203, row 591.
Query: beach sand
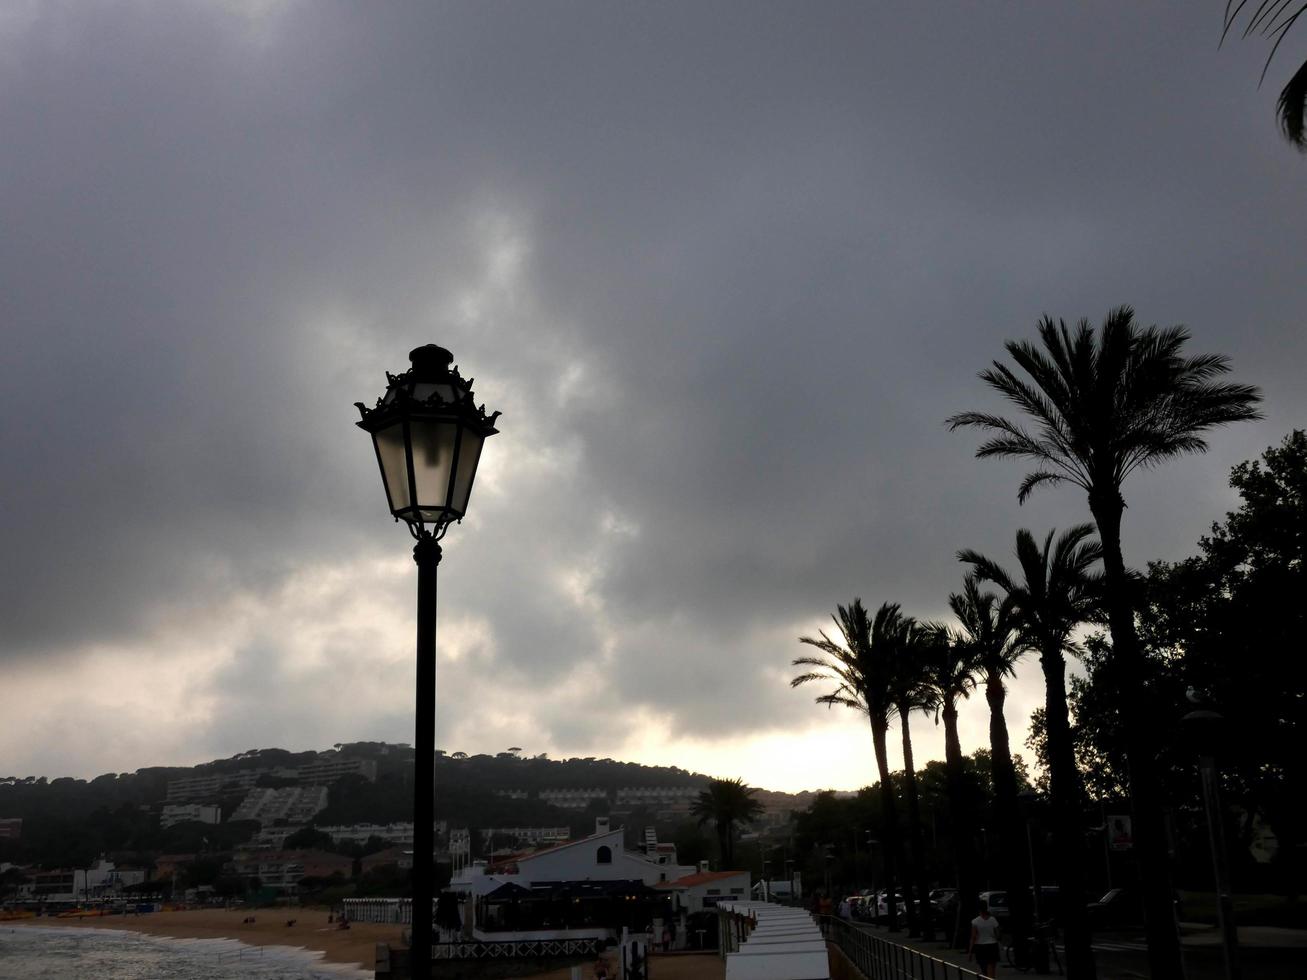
column 354, row 946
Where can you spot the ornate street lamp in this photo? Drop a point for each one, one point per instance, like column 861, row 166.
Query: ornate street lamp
column 428, row 434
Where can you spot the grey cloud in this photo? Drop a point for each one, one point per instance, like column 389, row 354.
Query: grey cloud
column 776, row 242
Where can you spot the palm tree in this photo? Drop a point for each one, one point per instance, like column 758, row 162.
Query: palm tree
column 1053, row 597
column 988, row 627
column 861, row 668
column 1272, row 19
column 951, row 674
column 726, row 803
column 909, row 692
column 1106, row 405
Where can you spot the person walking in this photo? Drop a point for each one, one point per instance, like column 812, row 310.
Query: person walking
column 984, row 941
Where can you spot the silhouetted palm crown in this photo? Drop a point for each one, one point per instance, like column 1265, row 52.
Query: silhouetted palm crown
column 1106, row 405
column 950, row 668
column 1273, row 19
column 862, row 667
column 989, row 627
column 910, row 680
column 1057, row 590
column 726, row 802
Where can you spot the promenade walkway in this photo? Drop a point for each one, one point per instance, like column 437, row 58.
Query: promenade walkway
column 1266, row 952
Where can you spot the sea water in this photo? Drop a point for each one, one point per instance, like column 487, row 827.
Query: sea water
column 38, row 953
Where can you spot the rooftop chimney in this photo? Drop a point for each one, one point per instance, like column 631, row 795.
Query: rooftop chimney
column 601, row 825
column 703, row 866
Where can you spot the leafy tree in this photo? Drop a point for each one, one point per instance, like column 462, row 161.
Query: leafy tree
column 727, row 803
column 1105, row 405
column 1053, row 597
column 1218, row 624
column 861, row 669
column 1273, row 19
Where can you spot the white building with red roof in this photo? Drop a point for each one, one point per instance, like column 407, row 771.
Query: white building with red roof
column 704, row 889
column 583, row 888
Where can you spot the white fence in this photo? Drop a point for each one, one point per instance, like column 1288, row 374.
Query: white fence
column 388, row 911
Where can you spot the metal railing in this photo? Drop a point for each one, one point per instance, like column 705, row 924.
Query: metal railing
column 518, row 949
column 879, row 959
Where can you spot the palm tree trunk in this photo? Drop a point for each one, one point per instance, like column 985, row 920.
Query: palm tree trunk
column 727, row 844
column 919, row 923
column 964, row 848
column 1149, row 826
column 1016, row 870
column 1064, row 781
column 889, row 814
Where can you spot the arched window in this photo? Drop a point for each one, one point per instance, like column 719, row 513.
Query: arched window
column 604, row 855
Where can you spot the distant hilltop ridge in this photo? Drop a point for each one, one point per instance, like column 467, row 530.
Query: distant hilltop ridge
column 347, row 791
column 573, row 784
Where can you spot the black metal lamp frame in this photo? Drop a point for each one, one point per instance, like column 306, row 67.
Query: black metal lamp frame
column 431, row 391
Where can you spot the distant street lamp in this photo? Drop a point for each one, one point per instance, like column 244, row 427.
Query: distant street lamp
column 427, row 433
column 872, row 844
column 1205, row 730
column 1028, row 798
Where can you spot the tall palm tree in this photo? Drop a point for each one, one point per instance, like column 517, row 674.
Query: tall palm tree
column 1105, row 405
column 1273, row 19
column 1054, row 595
column 951, row 674
column 861, row 668
column 726, row 803
column 988, row 627
column 910, row 691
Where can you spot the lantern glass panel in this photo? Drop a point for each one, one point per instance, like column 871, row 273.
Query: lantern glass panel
column 433, row 459
column 394, row 467
column 448, row 393
column 467, row 468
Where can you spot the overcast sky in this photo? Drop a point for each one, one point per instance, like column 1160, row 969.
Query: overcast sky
column 725, row 268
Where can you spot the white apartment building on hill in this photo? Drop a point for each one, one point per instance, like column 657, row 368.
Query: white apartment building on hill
column 175, row 813
column 572, row 799
column 294, row 804
column 660, row 799
column 526, row 836
column 326, row 771
column 394, row 833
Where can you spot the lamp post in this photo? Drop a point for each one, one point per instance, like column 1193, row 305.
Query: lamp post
column 872, row 844
column 855, row 860
column 1205, row 729
column 427, row 433
column 1028, row 797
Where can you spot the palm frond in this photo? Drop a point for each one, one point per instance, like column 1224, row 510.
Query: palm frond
column 1274, row 19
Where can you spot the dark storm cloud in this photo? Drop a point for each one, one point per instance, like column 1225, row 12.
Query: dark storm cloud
column 726, row 269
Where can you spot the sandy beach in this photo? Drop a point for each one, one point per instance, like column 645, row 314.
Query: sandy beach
column 355, row 946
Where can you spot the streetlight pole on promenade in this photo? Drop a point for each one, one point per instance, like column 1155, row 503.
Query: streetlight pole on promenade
column 428, row 433
column 1205, row 730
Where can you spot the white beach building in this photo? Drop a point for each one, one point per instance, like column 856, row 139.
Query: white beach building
column 590, row 888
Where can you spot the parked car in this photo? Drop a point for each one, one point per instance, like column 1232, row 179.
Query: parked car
column 996, row 901
column 882, row 903
column 943, row 899
column 1118, row 908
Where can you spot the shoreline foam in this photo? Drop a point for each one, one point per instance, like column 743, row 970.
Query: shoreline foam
column 310, row 937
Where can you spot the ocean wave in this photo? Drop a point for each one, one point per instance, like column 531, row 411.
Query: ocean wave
column 47, row 953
